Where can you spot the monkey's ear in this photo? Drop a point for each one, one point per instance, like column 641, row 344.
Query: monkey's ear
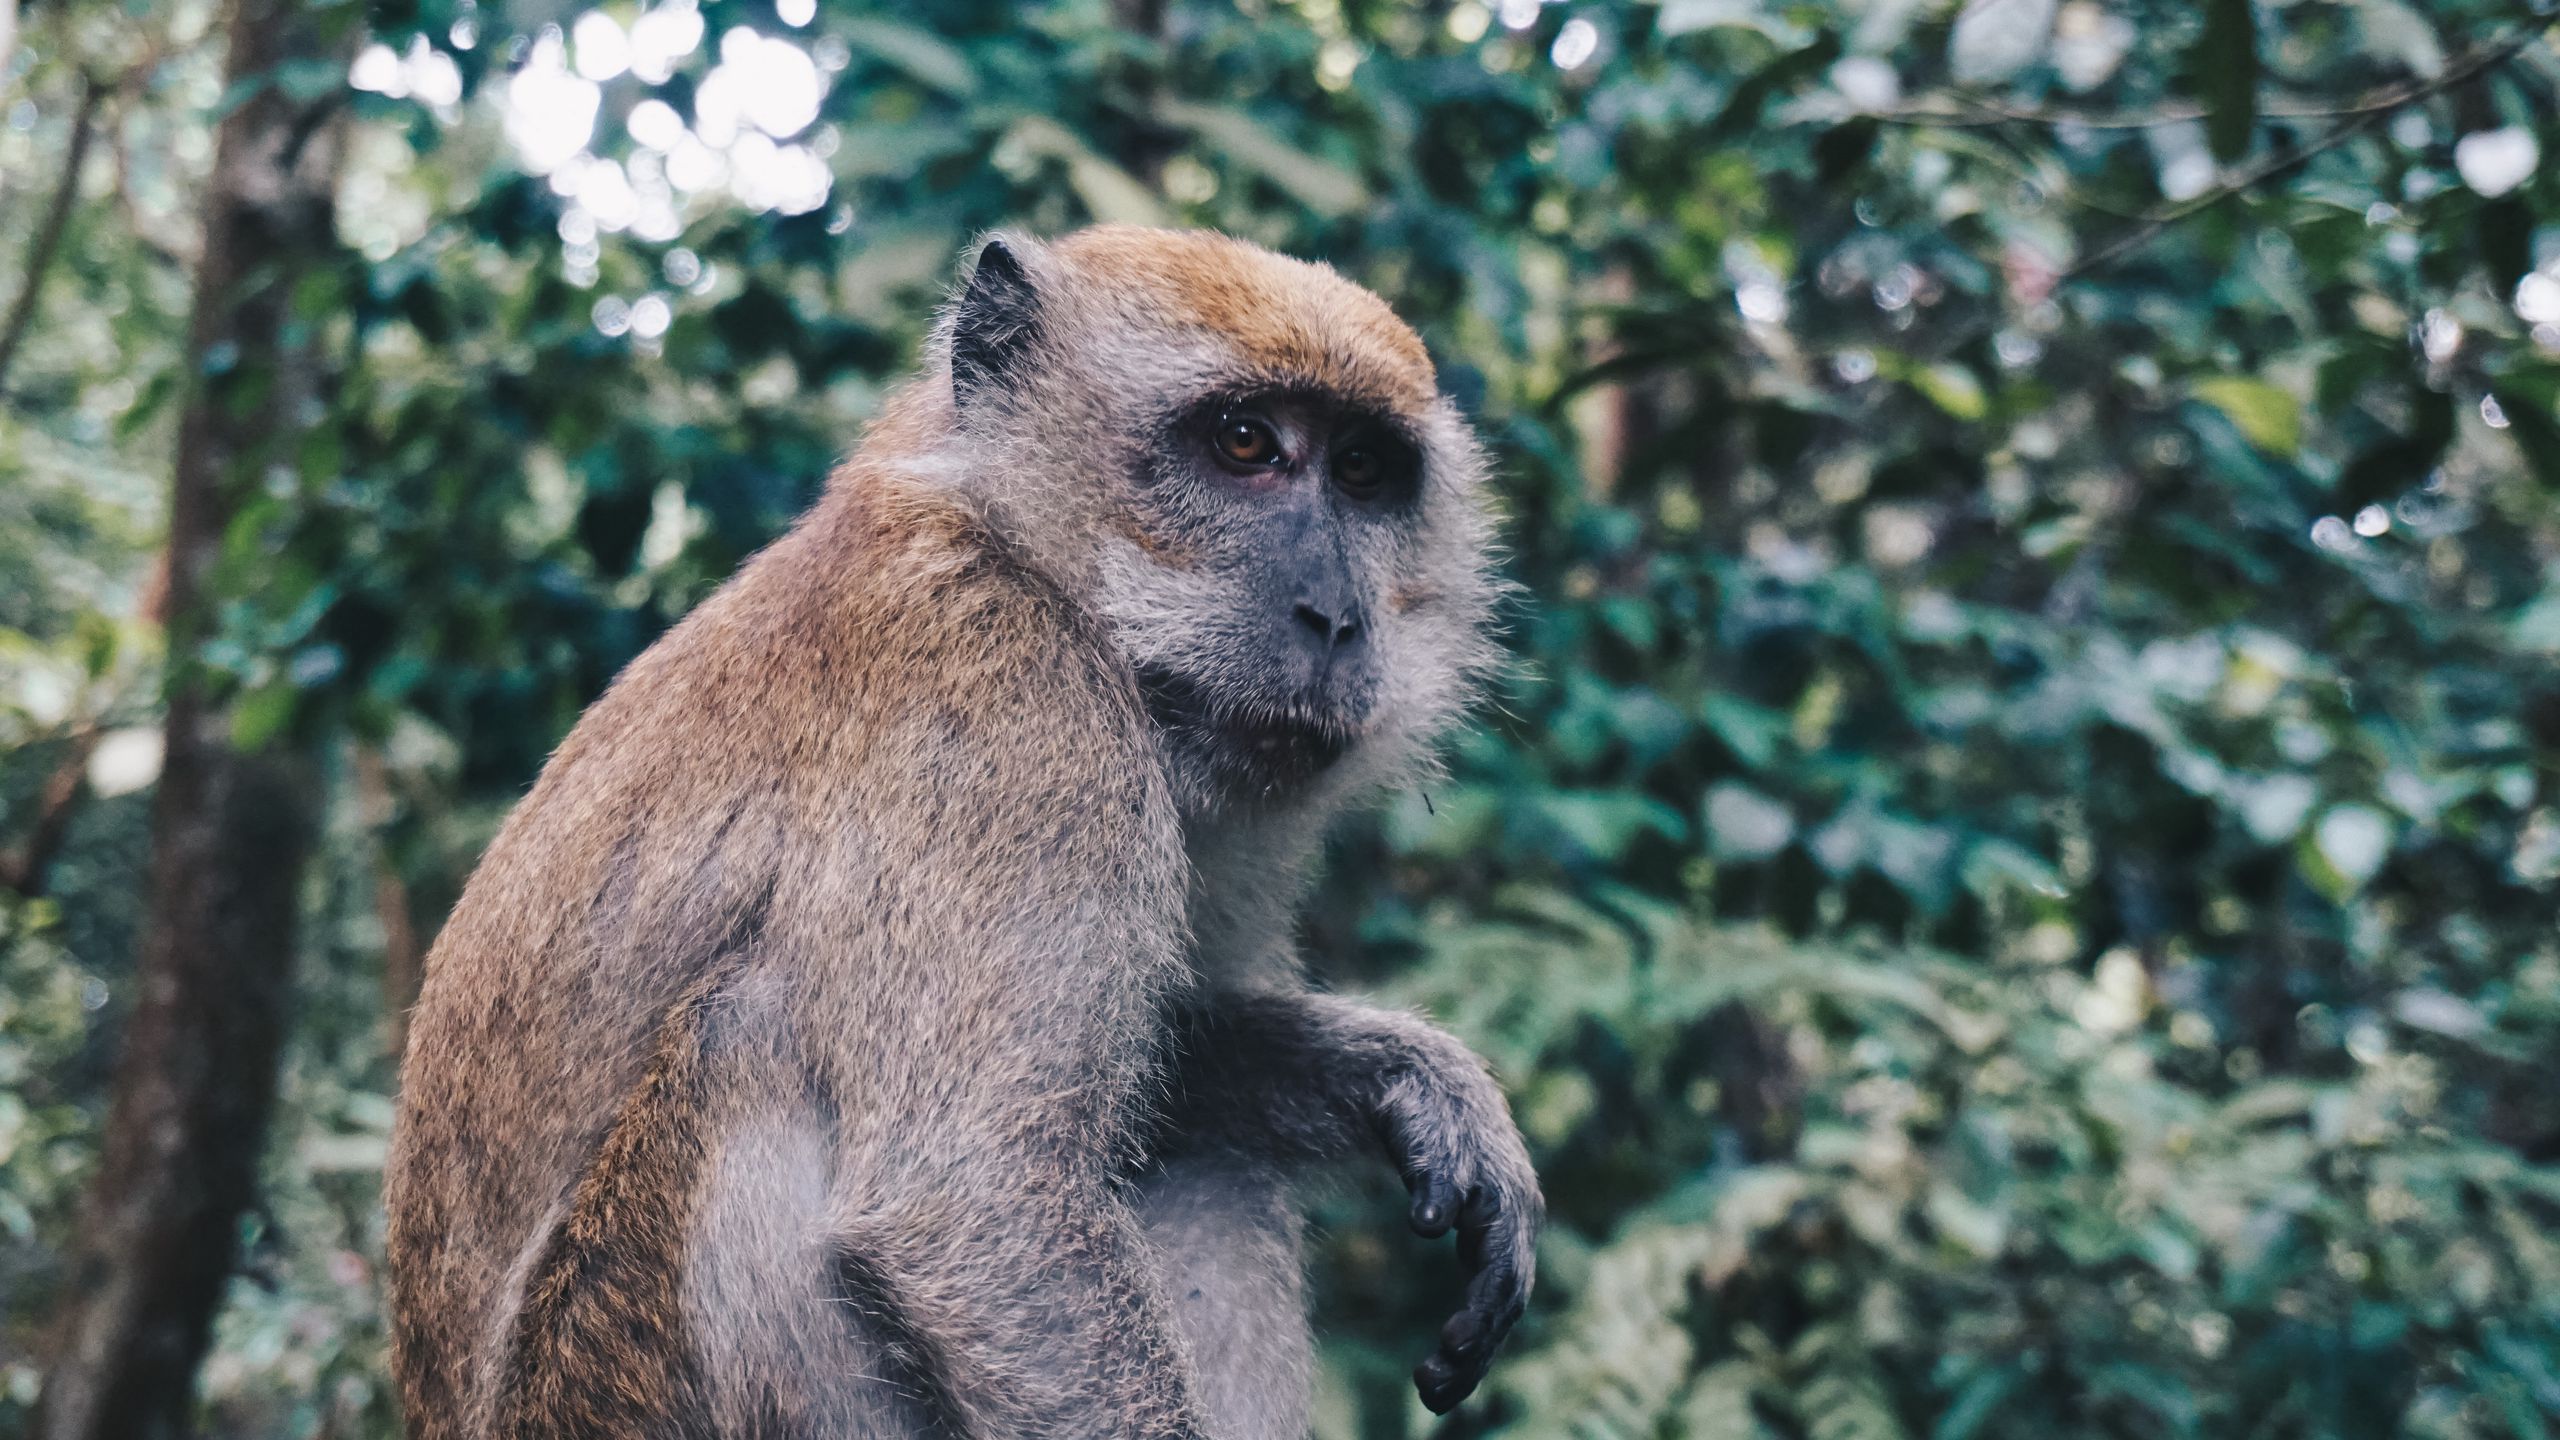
column 998, row 319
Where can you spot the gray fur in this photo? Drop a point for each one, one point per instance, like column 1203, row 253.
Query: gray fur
column 881, row 1018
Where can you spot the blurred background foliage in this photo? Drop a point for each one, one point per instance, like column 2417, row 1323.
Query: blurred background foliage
column 2012, row 883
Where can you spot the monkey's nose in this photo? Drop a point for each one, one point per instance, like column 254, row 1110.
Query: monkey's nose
column 1332, row 634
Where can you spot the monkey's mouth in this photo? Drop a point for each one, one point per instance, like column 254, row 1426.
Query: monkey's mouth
column 1256, row 744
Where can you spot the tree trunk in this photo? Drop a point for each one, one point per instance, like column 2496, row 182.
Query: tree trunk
column 196, row 1079
column 404, row 956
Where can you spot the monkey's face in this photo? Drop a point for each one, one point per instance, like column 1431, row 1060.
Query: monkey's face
column 1290, row 523
column 1298, row 581
column 1279, row 517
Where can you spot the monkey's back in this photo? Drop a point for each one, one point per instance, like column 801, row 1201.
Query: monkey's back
column 762, row 778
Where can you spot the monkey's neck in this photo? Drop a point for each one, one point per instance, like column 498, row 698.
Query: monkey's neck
column 1248, row 874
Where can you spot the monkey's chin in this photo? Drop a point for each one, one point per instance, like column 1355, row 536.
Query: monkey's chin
column 1239, row 750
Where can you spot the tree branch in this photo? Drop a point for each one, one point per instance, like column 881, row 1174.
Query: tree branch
column 2363, row 117
column 57, row 217
column 23, row 871
column 1983, row 112
column 404, row 959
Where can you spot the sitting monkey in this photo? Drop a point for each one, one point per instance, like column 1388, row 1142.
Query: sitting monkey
column 881, row 1018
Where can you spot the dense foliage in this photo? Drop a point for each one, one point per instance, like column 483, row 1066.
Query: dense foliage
column 2012, row 882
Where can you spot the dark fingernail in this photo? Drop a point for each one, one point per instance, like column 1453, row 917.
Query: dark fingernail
column 1435, row 1207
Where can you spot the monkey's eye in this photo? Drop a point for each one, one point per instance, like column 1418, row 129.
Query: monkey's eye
column 1371, row 466
column 1246, row 443
column 1360, row 472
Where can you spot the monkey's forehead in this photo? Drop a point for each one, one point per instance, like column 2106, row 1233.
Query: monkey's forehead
column 1280, row 316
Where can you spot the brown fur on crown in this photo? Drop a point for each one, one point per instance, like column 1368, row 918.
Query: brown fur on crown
column 1288, row 317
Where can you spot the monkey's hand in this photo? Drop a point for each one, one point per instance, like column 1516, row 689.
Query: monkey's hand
column 1446, row 1127
column 1292, row 1075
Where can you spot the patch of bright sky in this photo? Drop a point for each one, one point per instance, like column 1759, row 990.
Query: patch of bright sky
column 749, row 111
column 550, row 113
column 663, row 36
column 425, row 73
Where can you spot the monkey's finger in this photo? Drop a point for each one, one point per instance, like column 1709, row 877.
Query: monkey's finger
column 1435, row 1205
column 1463, row 1336
column 1455, row 1369
column 1443, row 1383
column 1478, row 1218
column 1497, row 1297
column 1496, row 1300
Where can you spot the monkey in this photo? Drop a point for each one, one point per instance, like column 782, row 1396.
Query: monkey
column 882, row 1015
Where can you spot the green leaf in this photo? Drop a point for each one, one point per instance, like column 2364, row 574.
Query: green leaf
column 261, row 715
column 2267, row 415
column 1742, row 112
column 1321, row 186
column 1604, row 823
column 1752, row 732
column 1110, row 192
column 1992, row 867
column 2505, row 229
column 2226, row 69
column 1976, row 1404
column 1844, row 148
column 310, row 79
column 1951, row 388
column 2537, row 438
column 923, row 56
column 2400, row 463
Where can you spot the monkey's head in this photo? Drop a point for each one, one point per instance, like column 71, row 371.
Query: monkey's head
column 1244, row 464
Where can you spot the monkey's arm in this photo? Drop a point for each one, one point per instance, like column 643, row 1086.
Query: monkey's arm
column 986, row 944
column 1305, row 1078
column 980, row 1225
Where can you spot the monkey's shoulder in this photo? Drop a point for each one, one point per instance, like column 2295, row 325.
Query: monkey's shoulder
column 884, row 732
column 889, row 677
column 887, row 615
